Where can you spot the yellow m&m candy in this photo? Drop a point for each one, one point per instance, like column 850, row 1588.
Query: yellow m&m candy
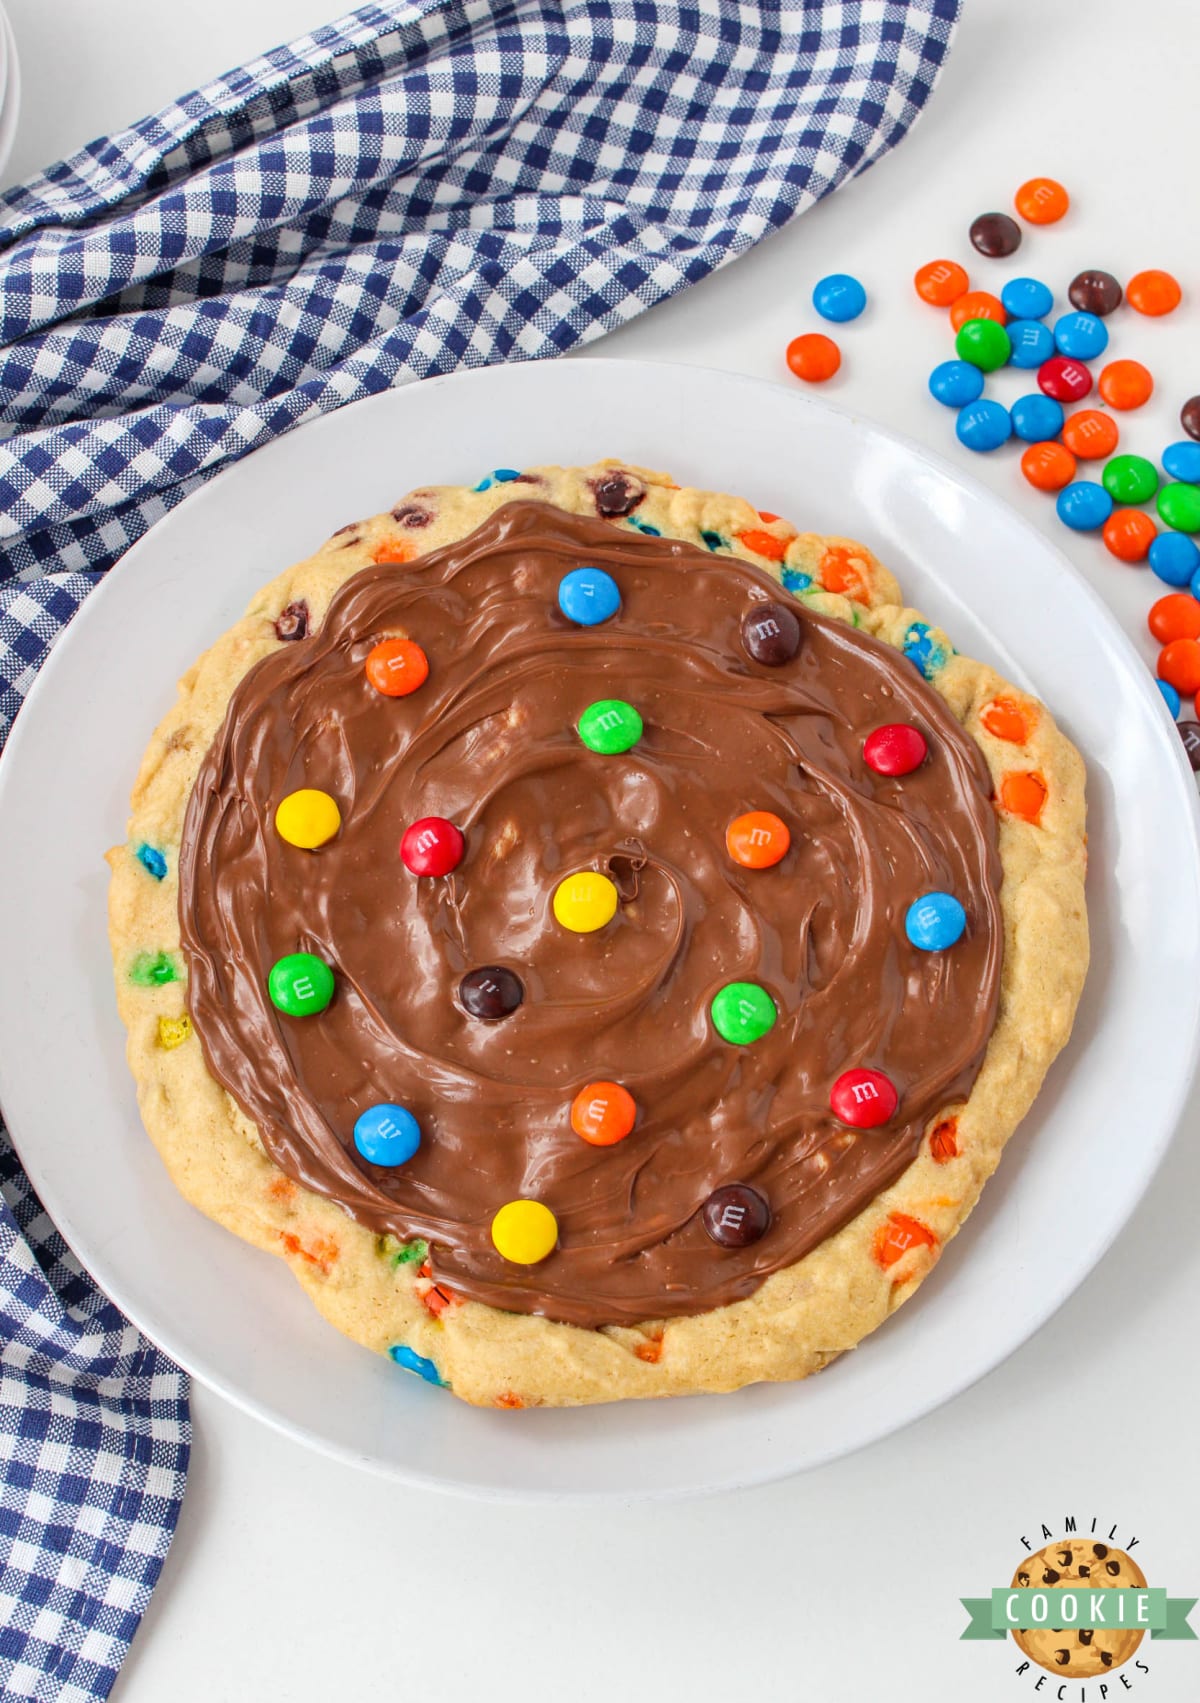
column 585, row 902
column 525, row 1231
column 307, row 818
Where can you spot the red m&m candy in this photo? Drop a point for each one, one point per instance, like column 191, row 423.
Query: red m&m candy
column 432, row 846
column 1064, row 379
column 896, row 749
column 864, row 1099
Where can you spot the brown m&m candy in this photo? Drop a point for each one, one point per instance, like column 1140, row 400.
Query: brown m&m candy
column 996, row 235
column 1095, row 292
column 736, row 1216
column 490, row 993
column 770, row 633
column 1189, row 416
column 1189, row 732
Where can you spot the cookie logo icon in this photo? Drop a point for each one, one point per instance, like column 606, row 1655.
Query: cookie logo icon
column 1079, row 1652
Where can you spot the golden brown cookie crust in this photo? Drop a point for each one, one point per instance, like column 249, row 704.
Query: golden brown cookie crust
column 800, row 1318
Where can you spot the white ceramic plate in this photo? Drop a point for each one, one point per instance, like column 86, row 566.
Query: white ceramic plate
column 235, row 1318
column 10, row 89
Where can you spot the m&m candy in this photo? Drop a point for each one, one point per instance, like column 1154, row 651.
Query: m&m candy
column 770, row 633
column 1128, row 534
column 387, row 1135
column 1170, row 696
column 1083, row 336
column 1041, row 201
column 941, row 282
column 1125, row 384
column 610, row 726
column 759, row 839
column 1090, row 434
column 743, row 1012
column 1032, row 342
column 300, row 985
column 983, row 425
column 1064, row 379
column 491, row 993
column 396, row 667
column 814, row 357
column 307, row 818
column 1176, row 616
column 863, row 1099
column 1036, row 417
column 411, row 1361
column 524, row 1232
column 585, row 901
column 977, row 304
column 1094, row 292
column 1130, row 479
column 1084, row 506
column 1179, row 507
column 603, row 1113
column 432, row 846
column 1182, row 461
column 1048, row 466
column 995, row 235
column 895, row 749
column 1174, row 558
column 1179, row 665
column 588, row 596
column 736, row 1216
column 1153, row 293
column 1027, row 298
column 956, row 383
column 983, row 343
column 935, row 922
column 1189, row 416
column 839, row 297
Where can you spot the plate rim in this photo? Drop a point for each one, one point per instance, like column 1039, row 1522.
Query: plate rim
column 1123, row 648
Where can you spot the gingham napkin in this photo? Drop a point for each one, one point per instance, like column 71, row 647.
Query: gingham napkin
column 416, row 188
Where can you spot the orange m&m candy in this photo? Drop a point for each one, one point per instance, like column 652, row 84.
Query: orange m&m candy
column 603, row 1113
column 759, row 839
column 1176, row 616
column 977, row 304
column 397, row 667
column 1041, row 201
column 1125, row 384
column 1153, row 293
column 814, row 357
column 1089, row 434
column 1179, row 665
column 1023, row 793
column 1048, row 466
column 1128, row 535
column 941, row 282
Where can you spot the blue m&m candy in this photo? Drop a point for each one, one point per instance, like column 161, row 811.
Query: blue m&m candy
column 1036, row 418
column 1027, row 298
column 983, row 425
column 387, row 1135
column 1081, row 336
column 1170, row 696
column 839, row 297
column 1175, row 558
column 1083, row 505
column 1031, row 342
column 956, row 383
column 588, row 596
column 1182, row 462
column 414, row 1362
column 935, row 921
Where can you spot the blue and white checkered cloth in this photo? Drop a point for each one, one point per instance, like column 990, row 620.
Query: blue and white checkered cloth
column 419, row 187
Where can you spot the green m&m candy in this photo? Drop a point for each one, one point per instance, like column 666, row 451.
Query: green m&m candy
column 1179, row 506
column 610, row 726
column 983, row 343
column 1130, row 479
column 743, row 1012
column 300, row 985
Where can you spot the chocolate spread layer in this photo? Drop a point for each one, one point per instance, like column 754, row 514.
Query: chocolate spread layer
column 489, row 742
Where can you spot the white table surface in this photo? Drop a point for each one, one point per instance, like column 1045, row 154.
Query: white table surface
column 292, row 1578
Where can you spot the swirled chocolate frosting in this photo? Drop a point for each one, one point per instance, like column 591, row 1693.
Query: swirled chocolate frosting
column 490, row 742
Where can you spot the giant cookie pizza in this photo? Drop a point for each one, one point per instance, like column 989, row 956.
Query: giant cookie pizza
column 601, row 983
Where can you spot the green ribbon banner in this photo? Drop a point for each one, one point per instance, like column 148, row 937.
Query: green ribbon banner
column 1011, row 1610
